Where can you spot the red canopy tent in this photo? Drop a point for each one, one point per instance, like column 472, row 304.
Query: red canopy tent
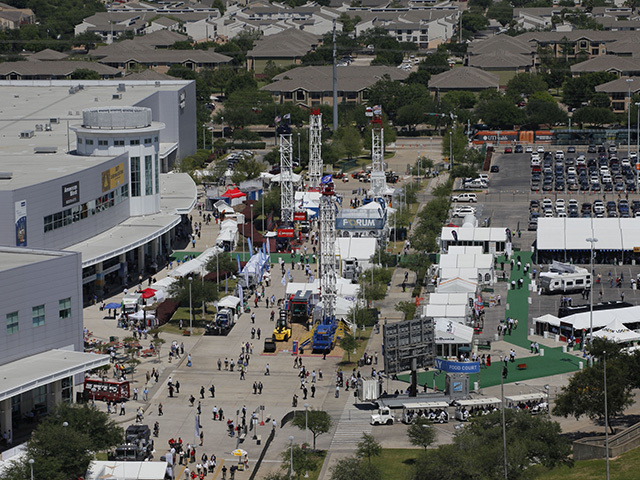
column 234, row 195
column 148, row 293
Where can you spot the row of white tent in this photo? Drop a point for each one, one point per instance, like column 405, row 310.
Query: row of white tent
column 572, row 233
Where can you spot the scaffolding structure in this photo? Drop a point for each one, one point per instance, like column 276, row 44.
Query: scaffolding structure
column 328, row 271
column 287, row 199
column 378, row 176
column 315, row 149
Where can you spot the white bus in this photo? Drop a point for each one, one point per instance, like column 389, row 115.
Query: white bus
column 436, row 412
column 529, row 402
column 475, row 407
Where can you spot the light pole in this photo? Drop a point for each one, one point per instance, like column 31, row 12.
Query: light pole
column 222, row 126
column 31, row 462
column 190, row 311
column 606, row 416
column 629, row 80
column 291, row 457
column 504, row 427
column 592, row 241
column 299, row 159
column 306, row 433
column 204, row 139
column 637, row 104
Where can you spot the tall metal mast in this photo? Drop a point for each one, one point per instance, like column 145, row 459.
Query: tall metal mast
column 378, row 177
column 287, row 202
column 328, row 272
column 315, row 149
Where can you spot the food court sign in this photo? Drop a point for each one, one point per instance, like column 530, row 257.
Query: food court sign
column 457, row 367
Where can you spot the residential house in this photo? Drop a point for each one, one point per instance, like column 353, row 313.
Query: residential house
column 310, row 86
column 621, row 66
column 463, row 78
column 53, row 70
column 535, row 18
column 283, row 49
column 620, row 92
column 12, row 17
column 569, row 44
column 502, row 55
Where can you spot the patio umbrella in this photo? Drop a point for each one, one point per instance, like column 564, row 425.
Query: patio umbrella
column 238, row 452
column 148, row 293
column 112, row 305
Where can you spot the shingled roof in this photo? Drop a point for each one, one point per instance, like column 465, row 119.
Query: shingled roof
column 464, row 78
column 288, row 43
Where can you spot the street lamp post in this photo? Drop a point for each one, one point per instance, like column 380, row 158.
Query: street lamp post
column 306, row 433
column 637, row 104
column 504, row 428
column 222, row 126
column 190, row 308
column 606, row 416
column 291, row 457
column 204, row 138
column 31, row 462
column 629, row 80
column 299, row 159
column 592, row 241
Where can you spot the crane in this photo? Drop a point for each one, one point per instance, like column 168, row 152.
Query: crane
column 378, row 178
column 315, row 149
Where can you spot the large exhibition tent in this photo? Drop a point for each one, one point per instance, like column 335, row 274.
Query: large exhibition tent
column 617, row 332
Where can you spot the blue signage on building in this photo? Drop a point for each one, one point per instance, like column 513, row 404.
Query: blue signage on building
column 457, row 367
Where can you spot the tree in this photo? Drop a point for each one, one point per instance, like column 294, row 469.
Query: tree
column 247, row 169
column 579, row 90
column 318, row 422
column 600, row 100
column 368, row 447
column 85, row 74
column 410, row 115
column 88, row 39
column 500, row 112
column 407, row 308
column 540, row 111
column 350, row 140
column 593, row 116
column 525, row 84
column 222, row 262
column 501, row 11
column 302, row 461
column 421, row 433
column 460, row 99
column 348, row 343
column 584, row 395
column 200, row 291
column 353, row 468
column 477, row 451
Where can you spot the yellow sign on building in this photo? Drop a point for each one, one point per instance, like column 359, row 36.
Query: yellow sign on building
column 112, row 178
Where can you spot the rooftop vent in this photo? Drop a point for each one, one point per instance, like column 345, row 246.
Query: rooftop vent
column 6, row 175
column 45, row 150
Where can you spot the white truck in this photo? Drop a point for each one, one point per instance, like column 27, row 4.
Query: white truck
column 465, row 197
column 383, row 417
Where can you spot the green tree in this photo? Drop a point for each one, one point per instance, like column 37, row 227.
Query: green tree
column 525, row 84
column 373, row 282
column 410, row 115
column 317, row 421
column 501, row 11
column 472, row 23
column 500, row 113
column 421, row 433
column 350, row 140
column 477, row 451
column 593, row 116
column 222, row 262
column 460, row 99
column 354, row 468
column 88, row 39
column 200, row 291
column 368, row 447
column 407, row 308
column 454, row 142
column 348, row 23
column 302, row 462
column 434, row 64
column 247, row 169
column 540, row 111
column 348, row 343
column 579, row 90
column 600, row 100
column 84, row 74
column 219, row 4
column 584, row 395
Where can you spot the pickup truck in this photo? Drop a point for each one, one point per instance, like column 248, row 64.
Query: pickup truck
column 383, row 417
column 465, row 197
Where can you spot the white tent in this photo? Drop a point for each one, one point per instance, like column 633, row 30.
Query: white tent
column 457, row 313
column 617, row 332
column 360, row 248
column 294, row 177
column 197, row 264
column 116, row 470
column 448, row 331
column 163, row 284
column 457, row 285
column 548, row 318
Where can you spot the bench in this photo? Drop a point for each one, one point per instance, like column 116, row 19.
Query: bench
column 147, row 353
column 258, row 439
column 522, row 366
column 241, row 437
column 186, row 333
column 484, row 346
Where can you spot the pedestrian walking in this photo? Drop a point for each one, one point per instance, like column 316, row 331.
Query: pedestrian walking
column 160, row 413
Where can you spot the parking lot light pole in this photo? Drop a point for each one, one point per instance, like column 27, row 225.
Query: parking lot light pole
column 190, row 308
column 31, row 462
column 629, row 80
column 504, row 426
column 637, row 104
column 592, row 241
column 606, row 413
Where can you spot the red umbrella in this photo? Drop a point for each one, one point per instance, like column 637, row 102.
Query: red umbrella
column 148, row 293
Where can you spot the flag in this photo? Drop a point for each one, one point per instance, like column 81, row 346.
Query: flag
column 508, row 232
column 246, row 277
column 289, row 276
column 377, row 110
column 326, row 179
column 454, row 234
column 287, row 116
column 241, row 294
column 226, row 286
column 368, row 112
column 277, row 119
column 250, row 245
column 238, row 259
column 283, row 281
column 197, row 430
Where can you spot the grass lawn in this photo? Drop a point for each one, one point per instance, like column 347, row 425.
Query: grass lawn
column 173, row 326
column 362, row 343
column 396, row 463
column 625, row 467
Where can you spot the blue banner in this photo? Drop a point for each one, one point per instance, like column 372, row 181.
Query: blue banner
column 457, row 367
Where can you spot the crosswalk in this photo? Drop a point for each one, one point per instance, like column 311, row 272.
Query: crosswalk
column 352, row 424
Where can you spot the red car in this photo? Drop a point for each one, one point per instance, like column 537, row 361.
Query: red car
column 508, row 150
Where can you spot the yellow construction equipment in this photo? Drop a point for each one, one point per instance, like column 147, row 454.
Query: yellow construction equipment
column 282, row 332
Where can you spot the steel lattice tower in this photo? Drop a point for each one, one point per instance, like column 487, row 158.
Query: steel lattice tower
column 328, row 274
column 315, row 149
column 287, row 201
column 378, row 178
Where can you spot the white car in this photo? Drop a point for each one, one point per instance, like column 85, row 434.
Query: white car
column 465, row 197
column 528, row 149
column 560, row 203
column 461, row 212
column 540, row 149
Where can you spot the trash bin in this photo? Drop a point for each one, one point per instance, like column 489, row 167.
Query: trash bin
column 542, row 352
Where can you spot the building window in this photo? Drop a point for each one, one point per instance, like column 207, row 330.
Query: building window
column 118, row 143
column 134, row 142
column 147, row 141
column 89, row 141
column 103, row 143
column 64, row 308
column 135, row 176
column 67, row 389
column 148, row 175
column 37, row 316
column 12, row 323
column 79, row 141
column 155, row 139
column 157, row 166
